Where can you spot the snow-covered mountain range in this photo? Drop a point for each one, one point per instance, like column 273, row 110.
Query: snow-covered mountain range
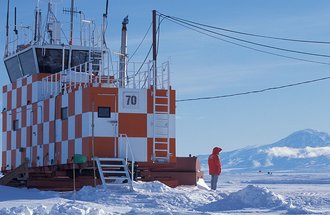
column 303, row 151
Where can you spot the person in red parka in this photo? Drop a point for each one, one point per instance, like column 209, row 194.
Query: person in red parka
column 214, row 167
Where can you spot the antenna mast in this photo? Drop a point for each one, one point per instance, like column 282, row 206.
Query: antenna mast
column 7, row 30
column 37, row 23
column 53, row 26
column 72, row 11
column 71, row 21
column 15, row 23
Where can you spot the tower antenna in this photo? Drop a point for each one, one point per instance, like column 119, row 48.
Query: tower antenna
column 71, row 21
column 37, row 23
column 105, row 16
column 15, row 23
column 7, row 30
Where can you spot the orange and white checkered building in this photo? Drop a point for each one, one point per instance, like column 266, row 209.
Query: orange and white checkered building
column 50, row 129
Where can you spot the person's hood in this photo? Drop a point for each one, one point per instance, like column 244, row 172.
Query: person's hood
column 216, row 150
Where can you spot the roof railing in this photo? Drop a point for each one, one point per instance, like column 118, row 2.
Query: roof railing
column 89, row 74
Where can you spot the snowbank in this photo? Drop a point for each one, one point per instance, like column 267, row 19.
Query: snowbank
column 11, row 193
column 147, row 198
column 74, row 208
column 63, row 209
column 252, row 197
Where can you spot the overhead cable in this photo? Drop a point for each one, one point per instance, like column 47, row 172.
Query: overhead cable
column 250, row 34
column 144, row 37
column 254, row 91
column 145, row 59
column 248, row 47
column 250, row 42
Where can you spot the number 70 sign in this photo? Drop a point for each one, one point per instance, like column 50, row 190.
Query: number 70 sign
column 131, row 100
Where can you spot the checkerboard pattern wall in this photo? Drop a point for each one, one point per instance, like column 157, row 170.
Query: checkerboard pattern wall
column 50, row 131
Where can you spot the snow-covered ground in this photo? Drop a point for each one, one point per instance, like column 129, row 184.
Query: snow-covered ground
column 241, row 193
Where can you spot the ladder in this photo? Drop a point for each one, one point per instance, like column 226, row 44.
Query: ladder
column 161, row 120
column 114, row 172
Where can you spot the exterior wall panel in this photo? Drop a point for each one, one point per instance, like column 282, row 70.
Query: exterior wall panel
column 44, row 138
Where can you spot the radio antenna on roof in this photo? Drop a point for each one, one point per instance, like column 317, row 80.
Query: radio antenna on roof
column 105, row 16
column 7, row 30
column 15, row 29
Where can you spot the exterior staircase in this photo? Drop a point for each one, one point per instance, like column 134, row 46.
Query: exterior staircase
column 22, row 170
column 114, row 172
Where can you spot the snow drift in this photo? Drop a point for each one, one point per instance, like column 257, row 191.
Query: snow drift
column 253, row 197
column 148, row 198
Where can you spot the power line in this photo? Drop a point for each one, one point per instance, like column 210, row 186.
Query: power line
column 145, row 59
column 253, row 91
column 248, row 47
column 250, row 42
column 193, row 27
column 144, row 37
column 250, row 34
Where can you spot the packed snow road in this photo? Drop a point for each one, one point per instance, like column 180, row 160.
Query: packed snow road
column 279, row 193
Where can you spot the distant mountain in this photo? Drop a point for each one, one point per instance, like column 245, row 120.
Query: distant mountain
column 304, row 151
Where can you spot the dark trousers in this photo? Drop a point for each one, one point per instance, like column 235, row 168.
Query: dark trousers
column 214, row 181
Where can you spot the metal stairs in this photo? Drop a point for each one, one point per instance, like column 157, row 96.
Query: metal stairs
column 114, row 172
column 20, row 170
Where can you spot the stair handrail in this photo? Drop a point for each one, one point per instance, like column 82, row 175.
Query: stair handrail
column 23, row 168
column 128, row 146
column 98, row 162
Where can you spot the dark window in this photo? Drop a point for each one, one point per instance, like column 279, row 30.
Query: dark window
column 103, row 112
column 79, row 57
column 27, row 62
column 15, row 124
column 64, row 113
column 13, row 68
column 50, row 61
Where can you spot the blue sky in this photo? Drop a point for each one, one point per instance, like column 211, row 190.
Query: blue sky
column 203, row 66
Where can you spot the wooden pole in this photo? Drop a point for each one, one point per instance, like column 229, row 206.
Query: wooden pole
column 154, row 45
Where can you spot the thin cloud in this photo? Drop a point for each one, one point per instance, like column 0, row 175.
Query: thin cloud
column 256, row 163
column 308, row 152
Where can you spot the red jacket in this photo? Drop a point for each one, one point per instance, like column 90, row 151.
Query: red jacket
column 214, row 162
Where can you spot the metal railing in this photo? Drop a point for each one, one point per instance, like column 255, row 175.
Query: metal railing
column 128, row 147
column 87, row 74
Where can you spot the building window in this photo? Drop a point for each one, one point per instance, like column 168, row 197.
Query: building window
column 15, row 124
column 64, row 113
column 103, row 112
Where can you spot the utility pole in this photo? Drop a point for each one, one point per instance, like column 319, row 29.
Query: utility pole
column 154, row 46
